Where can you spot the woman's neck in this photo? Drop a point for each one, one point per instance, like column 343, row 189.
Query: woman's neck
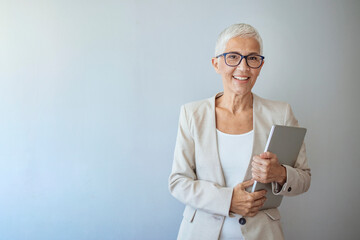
column 236, row 103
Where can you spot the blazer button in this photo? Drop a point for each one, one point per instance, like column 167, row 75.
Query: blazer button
column 289, row 189
column 242, row 221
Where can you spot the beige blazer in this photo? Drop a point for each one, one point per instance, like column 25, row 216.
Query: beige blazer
column 197, row 178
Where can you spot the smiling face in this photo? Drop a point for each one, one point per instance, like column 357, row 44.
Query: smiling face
column 241, row 79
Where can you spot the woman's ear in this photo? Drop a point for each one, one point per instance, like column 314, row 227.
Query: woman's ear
column 215, row 63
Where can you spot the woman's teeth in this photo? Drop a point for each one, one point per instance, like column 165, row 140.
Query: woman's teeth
column 241, row 78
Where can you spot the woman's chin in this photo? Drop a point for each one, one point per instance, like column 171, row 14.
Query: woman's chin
column 241, row 91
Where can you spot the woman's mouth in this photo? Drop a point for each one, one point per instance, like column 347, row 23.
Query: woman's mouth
column 241, row 78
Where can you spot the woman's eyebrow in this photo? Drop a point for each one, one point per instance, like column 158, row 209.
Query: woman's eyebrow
column 254, row 53
column 243, row 54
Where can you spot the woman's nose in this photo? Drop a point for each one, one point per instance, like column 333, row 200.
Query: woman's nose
column 242, row 65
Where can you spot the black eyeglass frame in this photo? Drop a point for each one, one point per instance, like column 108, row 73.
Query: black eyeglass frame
column 224, row 54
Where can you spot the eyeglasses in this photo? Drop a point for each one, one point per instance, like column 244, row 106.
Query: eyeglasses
column 233, row 59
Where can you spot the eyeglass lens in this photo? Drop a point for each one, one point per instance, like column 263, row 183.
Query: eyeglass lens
column 253, row 61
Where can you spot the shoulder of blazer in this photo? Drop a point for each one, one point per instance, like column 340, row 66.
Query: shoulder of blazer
column 266, row 105
column 199, row 108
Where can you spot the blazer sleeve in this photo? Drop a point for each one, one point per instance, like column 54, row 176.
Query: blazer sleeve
column 298, row 178
column 183, row 183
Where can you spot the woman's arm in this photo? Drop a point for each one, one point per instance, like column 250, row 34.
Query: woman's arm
column 286, row 180
column 298, row 178
column 183, row 183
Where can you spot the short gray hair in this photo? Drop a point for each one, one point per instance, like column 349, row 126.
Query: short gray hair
column 237, row 30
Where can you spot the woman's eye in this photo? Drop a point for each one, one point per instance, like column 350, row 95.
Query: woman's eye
column 253, row 58
column 232, row 57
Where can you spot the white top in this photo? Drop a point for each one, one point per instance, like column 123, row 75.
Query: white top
column 235, row 154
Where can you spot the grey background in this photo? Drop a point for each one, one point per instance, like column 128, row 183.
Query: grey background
column 90, row 93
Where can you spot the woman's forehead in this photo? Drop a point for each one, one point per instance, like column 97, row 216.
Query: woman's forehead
column 243, row 45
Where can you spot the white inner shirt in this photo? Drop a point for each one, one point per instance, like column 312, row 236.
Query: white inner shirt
column 235, row 154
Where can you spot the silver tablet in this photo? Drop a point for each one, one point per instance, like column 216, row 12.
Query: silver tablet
column 286, row 143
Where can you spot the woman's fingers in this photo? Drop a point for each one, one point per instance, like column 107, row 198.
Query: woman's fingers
column 268, row 155
column 253, row 213
column 259, row 202
column 258, row 194
column 245, row 203
column 264, row 158
column 259, row 166
column 265, row 167
column 262, row 177
column 256, row 207
column 246, row 184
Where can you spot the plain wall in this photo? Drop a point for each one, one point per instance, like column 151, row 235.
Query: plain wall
column 90, row 94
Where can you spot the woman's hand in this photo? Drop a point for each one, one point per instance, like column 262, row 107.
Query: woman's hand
column 266, row 168
column 244, row 203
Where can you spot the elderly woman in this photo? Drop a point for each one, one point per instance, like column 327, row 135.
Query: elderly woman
column 219, row 146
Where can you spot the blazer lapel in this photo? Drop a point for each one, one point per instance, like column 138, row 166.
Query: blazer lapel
column 214, row 152
column 260, row 135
